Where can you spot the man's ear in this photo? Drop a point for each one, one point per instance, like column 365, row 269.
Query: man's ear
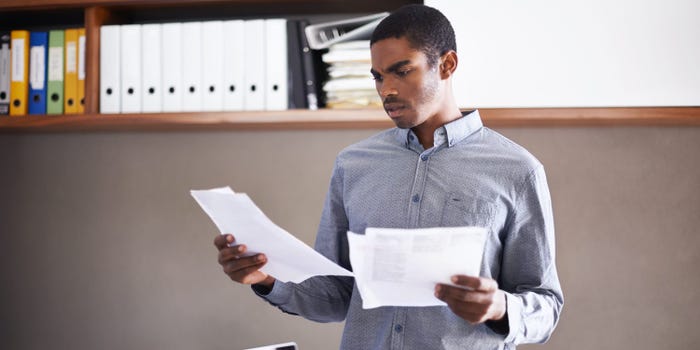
column 448, row 64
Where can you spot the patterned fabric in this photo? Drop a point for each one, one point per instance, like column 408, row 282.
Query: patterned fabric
column 472, row 176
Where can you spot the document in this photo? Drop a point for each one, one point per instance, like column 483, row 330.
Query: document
column 288, row 258
column 400, row 267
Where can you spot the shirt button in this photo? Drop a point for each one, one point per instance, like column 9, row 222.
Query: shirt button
column 424, row 157
column 416, row 198
column 398, row 328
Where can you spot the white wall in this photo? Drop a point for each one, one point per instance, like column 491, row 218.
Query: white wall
column 576, row 53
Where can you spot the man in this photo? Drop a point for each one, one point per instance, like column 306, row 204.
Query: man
column 440, row 167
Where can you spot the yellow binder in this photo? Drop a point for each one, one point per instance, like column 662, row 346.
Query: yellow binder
column 19, row 66
column 81, row 71
column 70, row 87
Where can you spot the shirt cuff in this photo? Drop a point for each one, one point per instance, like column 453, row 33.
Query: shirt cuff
column 279, row 294
column 514, row 307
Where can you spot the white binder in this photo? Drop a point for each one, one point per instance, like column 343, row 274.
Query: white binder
column 110, row 86
column 171, row 49
column 254, row 58
column 234, row 67
column 151, row 89
column 192, row 66
column 131, row 68
column 276, row 83
column 5, row 74
column 212, row 66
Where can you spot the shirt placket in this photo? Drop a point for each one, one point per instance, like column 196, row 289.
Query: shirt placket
column 417, row 190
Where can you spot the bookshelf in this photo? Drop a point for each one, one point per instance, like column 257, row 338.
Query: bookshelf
column 91, row 14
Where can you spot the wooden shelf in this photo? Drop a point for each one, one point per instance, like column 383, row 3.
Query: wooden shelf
column 94, row 13
column 345, row 119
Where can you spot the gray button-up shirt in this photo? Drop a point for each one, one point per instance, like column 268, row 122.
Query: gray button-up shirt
column 472, row 176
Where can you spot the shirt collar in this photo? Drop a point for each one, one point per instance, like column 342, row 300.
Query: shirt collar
column 450, row 133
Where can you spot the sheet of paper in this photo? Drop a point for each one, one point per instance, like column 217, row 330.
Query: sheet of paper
column 400, row 267
column 289, row 259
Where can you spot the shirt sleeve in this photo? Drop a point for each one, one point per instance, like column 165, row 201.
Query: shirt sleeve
column 322, row 298
column 534, row 297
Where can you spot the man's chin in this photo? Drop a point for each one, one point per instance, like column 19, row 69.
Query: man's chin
column 402, row 123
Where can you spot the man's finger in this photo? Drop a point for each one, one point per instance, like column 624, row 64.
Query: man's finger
column 244, row 265
column 231, row 253
column 222, row 241
column 450, row 294
column 475, row 283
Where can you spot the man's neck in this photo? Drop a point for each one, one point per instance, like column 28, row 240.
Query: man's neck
column 426, row 131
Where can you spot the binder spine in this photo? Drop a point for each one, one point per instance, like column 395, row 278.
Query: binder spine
column 276, row 65
column 171, row 50
column 151, row 66
column 54, row 74
column 5, row 73
column 309, row 62
column 70, row 80
column 38, row 51
column 81, row 71
column 212, row 66
column 19, row 72
column 130, row 68
column 110, row 86
column 234, row 69
column 295, row 73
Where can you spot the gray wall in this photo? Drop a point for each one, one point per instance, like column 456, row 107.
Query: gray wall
column 101, row 246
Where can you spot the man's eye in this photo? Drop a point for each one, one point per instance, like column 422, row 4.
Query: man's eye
column 403, row 73
column 377, row 77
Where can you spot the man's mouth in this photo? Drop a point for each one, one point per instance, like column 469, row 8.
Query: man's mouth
column 393, row 109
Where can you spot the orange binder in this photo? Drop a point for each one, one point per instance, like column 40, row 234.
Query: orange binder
column 19, row 67
column 81, row 70
column 70, row 81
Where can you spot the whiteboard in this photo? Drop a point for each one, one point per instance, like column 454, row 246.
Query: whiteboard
column 575, row 53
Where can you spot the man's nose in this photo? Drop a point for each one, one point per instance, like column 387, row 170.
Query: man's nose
column 387, row 90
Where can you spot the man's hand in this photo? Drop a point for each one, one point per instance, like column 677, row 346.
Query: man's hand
column 240, row 268
column 476, row 299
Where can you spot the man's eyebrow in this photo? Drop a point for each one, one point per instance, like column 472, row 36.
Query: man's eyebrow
column 393, row 68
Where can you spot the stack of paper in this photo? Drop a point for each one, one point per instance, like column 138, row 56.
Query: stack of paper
column 288, row 258
column 350, row 84
column 401, row 267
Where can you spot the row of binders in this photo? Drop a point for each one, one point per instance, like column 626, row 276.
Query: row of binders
column 231, row 65
column 42, row 72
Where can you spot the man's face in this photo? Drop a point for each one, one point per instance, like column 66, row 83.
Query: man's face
column 408, row 86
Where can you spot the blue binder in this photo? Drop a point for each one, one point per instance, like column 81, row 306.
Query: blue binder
column 38, row 60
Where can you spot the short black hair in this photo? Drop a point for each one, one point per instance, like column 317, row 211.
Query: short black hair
column 425, row 28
